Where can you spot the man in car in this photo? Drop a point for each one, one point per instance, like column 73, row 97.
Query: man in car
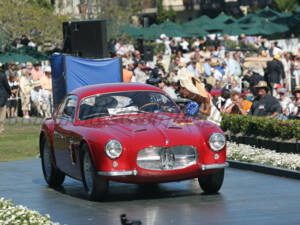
column 264, row 104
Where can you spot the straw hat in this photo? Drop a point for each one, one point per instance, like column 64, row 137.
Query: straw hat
column 181, row 64
column 277, row 57
column 192, row 84
column 297, row 89
column 214, row 62
column 262, row 84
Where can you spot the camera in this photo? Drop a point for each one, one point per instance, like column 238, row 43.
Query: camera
column 154, row 77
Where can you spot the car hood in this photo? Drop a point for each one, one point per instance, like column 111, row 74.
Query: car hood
column 151, row 130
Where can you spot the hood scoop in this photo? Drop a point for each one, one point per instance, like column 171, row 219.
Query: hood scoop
column 174, row 127
column 140, row 130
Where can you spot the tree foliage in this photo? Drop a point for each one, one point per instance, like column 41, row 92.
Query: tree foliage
column 286, row 5
column 116, row 12
column 164, row 15
column 33, row 18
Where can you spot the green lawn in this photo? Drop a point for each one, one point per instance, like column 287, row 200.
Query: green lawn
column 19, row 141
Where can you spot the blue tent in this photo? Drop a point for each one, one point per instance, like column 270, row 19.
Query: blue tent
column 69, row 73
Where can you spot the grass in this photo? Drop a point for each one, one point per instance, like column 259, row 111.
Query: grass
column 19, row 141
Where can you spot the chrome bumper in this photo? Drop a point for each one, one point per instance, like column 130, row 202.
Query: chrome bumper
column 135, row 172
column 214, row 166
column 118, row 173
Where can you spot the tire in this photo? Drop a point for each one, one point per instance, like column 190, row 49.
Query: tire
column 52, row 175
column 212, row 183
column 96, row 186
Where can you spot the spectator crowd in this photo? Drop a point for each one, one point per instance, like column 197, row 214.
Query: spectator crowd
column 262, row 80
column 31, row 90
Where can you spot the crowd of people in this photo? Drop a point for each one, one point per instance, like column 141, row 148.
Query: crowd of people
column 264, row 82
column 31, row 90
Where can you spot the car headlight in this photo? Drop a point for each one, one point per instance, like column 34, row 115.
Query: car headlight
column 217, row 141
column 113, row 149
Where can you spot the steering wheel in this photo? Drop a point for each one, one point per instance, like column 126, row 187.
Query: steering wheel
column 150, row 103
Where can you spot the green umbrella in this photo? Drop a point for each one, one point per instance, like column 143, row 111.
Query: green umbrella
column 249, row 20
column 194, row 30
column 268, row 13
column 297, row 10
column 16, row 57
column 233, row 29
column 287, row 20
column 169, row 29
column 223, row 19
column 266, row 28
column 133, row 31
column 200, row 20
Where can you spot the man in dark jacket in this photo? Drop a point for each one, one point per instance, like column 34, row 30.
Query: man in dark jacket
column 274, row 72
column 4, row 94
column 264, row 104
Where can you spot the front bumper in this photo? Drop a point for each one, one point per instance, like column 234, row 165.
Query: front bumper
column 134, row 172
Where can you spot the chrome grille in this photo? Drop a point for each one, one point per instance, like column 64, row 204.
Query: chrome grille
column 162, row 158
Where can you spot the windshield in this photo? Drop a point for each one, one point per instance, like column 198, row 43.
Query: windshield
column 125, row 103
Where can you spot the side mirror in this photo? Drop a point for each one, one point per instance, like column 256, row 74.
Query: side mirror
column 192, row 109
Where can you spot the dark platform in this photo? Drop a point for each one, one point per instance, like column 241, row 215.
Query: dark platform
column 245, row 198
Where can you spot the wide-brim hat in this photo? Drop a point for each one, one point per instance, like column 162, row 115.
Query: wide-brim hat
column 182, row 64
column 297, row 89
column 214, row 62
column 262, row 84
column 277, row 57
column 192, row 83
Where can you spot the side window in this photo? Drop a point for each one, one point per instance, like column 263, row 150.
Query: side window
column 69, row 108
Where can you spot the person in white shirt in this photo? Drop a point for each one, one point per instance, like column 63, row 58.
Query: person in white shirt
column 285, row 102
column 141, row 73
column 168, row 89
column 193, row 67
column 184, row 45
column 35, row 96
column 166, row 41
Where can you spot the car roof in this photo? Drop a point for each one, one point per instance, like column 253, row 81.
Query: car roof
column 112, row 87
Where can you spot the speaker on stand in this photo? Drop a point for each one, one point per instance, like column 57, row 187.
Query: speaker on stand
column 86, row 39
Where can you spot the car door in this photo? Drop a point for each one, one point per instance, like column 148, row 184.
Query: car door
column 63, row 132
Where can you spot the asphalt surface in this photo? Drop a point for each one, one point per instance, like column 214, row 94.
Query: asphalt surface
column 245, row 198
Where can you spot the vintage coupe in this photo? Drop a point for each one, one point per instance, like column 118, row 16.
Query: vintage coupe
column 131, row 133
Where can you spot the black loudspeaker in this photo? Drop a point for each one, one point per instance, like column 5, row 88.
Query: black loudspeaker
column 148, row 53
column 86, row 39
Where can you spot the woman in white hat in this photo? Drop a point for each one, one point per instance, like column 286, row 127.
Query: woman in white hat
column 192, row 88
column 25, row 89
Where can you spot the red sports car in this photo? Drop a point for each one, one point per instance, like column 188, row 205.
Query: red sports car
column 131, row 133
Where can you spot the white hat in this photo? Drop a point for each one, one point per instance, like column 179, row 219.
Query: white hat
column 162, row 36
column 191, row 83
column 47, row 69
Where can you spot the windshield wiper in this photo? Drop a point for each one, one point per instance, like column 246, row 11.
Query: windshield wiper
column 94, row 115
column 130, row 111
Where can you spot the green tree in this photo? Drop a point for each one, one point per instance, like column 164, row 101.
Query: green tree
column 164, row 15
column 116, row 12
column 27, row 17
column 286, row 5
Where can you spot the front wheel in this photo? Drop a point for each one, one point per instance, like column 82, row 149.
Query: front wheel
column 52, row 175
column 95, row 185
column 212, row 183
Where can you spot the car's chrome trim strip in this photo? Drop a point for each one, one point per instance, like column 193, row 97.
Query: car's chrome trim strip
column 118, row 173
column 214, row 166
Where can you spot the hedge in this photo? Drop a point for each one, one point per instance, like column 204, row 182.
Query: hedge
column 261, row 126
